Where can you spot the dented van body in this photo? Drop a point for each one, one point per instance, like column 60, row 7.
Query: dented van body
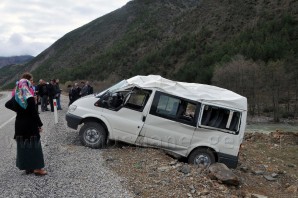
column 203, row 123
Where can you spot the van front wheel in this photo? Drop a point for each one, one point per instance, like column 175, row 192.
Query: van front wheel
column 201, row 156
column 93, row 135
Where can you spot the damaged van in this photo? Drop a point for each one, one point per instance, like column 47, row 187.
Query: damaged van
column 203, row 123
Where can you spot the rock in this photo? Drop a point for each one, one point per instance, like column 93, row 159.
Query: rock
column 110, row 159
column 189, row 195
column 192, row 187
column 205, row 192
column 137, row 191
column 258, row 196
column 269, row 178
column 291, row 165
column 287, row 185
column 282, row 172
column 177, row 165
column 274, row 175
column 200, row 170
column 258, row 172
column 165, row 182
column 152, row 175
column 185, row 169
column 193, row 191
column 223, row 173
column 292, row 189
column 244, row 169
column 163, row 168
column 173, row 163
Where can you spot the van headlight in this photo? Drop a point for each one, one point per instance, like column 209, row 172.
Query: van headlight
column 72, row 108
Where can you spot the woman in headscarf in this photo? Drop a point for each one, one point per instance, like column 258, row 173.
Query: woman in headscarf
column 27, row 127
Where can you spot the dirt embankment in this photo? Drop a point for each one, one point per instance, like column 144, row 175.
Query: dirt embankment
column 267, row 166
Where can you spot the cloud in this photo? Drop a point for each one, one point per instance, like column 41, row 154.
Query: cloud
column 31, row 26
column 16, row 45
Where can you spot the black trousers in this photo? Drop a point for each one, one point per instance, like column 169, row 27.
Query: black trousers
column 51, row 98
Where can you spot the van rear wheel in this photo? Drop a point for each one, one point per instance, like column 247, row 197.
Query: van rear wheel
column 93, row 135
column 201, row 156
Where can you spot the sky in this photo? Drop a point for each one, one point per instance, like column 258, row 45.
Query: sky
column 28, row 27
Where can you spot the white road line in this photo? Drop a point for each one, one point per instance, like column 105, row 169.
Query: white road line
column 5, row 123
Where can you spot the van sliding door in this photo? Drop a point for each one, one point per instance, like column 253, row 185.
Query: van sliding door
column 170, row 123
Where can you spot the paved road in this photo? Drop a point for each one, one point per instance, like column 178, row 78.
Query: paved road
column 74, row 170
column 6, row 115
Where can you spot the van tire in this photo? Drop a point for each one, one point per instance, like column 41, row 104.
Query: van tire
column 93, row 135
column 203, row 156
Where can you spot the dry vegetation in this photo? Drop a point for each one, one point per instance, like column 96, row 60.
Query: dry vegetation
column 152, row 173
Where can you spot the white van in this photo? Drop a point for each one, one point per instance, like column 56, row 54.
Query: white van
column 204, row 123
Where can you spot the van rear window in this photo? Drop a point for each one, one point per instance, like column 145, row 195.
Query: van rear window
column 221, row 118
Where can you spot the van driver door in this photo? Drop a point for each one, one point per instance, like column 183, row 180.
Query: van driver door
column 127, row 121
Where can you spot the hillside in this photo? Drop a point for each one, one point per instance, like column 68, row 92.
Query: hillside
column 186, row 40
column 12, row 66
column 4, row 61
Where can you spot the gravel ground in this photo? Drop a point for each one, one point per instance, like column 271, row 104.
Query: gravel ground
column 153, row 173
column 73, row 170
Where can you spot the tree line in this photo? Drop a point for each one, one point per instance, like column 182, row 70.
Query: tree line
column 271, row 88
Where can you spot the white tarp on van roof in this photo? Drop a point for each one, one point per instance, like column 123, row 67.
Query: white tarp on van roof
column 193, row 91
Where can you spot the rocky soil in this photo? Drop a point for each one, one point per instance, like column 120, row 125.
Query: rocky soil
column 267, row 168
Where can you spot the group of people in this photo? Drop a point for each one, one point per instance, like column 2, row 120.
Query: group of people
column 28, row 124
column 46, row 92
column 76, row 92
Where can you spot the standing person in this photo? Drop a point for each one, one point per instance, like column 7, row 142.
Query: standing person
column 52, row 93
column 84, row 90
column 71, row 94
column 77, row 91
column 90, row 88
column 28, row 127
column 58, row 93
column 43, row 94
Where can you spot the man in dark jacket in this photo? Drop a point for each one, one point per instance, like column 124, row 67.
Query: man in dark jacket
column 71, row 94
column 58, row 93
column 52, row 93
column 77, row 90
column 90, row 88
column 84, row 89
column 43, row 94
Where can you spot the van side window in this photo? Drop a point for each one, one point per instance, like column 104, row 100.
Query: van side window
column 137, row 99
column 221, row 118
column 174, row 108
column 167, row 106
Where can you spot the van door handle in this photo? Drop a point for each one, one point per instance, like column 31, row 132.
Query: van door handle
column 144, row 118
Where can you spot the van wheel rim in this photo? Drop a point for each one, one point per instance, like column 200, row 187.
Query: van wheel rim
column 202, row 159
column 92, row 136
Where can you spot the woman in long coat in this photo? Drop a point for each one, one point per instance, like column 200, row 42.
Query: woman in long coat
column 27, row 127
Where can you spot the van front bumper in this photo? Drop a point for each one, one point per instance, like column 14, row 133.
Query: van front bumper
column 73, row 121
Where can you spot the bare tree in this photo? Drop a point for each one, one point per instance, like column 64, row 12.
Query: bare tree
column 241, row 76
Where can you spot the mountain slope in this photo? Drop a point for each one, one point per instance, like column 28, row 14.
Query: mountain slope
column 179, row 39
column 4, row 61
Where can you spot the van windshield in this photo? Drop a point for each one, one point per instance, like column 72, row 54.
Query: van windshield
column 113, row 88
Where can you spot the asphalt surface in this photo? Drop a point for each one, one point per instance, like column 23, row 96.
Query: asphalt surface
column 73, row 170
